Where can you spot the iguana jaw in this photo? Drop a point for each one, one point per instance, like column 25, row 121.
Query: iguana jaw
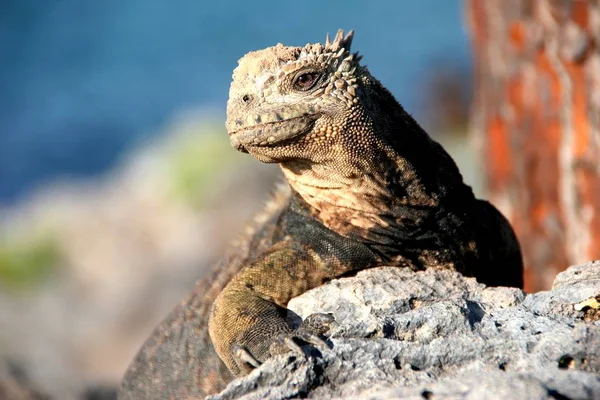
column 271, row 133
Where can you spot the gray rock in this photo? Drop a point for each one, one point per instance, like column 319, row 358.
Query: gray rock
column 436, row 334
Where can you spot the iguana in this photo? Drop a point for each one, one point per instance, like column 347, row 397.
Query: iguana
column 367, row 187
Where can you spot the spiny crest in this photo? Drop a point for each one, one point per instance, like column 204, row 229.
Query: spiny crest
column 336, row 53
column 340, row 41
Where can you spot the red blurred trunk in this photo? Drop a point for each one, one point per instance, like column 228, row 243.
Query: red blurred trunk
column 536, row 121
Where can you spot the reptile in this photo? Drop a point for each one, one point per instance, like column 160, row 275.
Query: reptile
column 366, row 187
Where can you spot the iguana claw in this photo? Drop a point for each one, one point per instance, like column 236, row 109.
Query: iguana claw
column 310, row 331
column 244, row 355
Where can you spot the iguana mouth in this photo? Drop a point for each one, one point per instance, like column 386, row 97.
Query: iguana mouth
column 272, row 133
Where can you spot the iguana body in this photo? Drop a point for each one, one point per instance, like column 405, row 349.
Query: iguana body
column 368, row 188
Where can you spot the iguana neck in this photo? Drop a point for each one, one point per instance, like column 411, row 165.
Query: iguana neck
column 396, row 182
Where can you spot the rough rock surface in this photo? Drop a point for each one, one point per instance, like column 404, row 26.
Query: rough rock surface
column 437, row 335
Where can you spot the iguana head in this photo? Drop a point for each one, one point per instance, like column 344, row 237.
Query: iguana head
column 344, row 144
column 295, row 102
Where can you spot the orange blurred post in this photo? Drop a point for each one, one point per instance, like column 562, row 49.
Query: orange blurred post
column 536, row 123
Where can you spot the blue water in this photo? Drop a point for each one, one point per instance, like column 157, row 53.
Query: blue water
column 82, row 81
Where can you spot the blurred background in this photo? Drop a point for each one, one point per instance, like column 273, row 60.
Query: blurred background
column 118, row 186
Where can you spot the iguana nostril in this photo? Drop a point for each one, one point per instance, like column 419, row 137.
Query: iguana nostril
column 247, row 98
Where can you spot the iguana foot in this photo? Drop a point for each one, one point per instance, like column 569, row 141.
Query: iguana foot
column 310, row 332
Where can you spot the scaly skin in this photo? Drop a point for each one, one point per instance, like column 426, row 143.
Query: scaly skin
column 368, row 188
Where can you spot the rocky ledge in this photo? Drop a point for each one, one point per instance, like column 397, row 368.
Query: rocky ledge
column 438, row 335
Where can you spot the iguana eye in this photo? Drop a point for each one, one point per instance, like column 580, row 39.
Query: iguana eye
column 306, row 80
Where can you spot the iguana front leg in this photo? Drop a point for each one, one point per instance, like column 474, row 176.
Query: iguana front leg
column 250, row 312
